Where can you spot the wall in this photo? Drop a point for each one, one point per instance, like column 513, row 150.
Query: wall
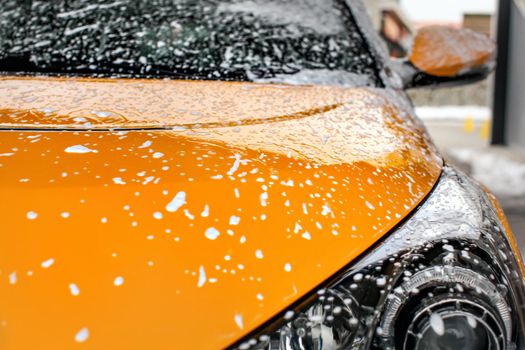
column 516, row 78
column 468, row 95
column 481, row 23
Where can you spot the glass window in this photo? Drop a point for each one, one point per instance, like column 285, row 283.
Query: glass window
column 302, row 41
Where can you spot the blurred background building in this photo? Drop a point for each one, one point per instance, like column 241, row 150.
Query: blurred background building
column 481, row 127
column 509, row 103
column 393, row 25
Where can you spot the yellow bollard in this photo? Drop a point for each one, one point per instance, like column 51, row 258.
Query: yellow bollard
column 485, row 130
column 468, row 126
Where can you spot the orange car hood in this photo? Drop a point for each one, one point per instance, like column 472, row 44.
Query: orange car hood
column 241, row 199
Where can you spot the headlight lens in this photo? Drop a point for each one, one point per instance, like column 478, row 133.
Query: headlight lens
column 445, row 279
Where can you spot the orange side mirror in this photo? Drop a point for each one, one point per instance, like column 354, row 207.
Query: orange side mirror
column 450, row 52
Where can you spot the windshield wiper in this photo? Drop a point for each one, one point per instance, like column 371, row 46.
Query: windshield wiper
column 21, row 64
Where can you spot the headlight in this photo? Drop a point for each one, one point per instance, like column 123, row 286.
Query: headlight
column 447, row 278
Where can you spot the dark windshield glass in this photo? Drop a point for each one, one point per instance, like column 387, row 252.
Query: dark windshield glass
column 303, row 41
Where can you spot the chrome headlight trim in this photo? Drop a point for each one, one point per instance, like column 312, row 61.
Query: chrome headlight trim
column 454, row 244
column 444, row 275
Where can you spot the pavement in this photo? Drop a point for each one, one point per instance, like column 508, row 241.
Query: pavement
column 465, row 143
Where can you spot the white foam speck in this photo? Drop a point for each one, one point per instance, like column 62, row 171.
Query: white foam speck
column 178, row 201
column 12, row 278
column 79, row 149
column 307, row 235
column 148, row 180
column 326, row 210
column 437, row 324
column 73, row 288
column 289, row 183
column 118, row 181
column 264, row 198
column 448, row 247
column 64, row 214
column 370, row 206
column 260, row 296
column 189, row 215
column 235, row 165
column 239, row 321
column 234, row 220
column 206, row 212
column 48, row 263
column 82, row 335
column 202, row 277
column 158, row 155
column 212, row 233
column 157, row 215
column 31, row 215
column 381, row 281
column 119, row 280
column 102, row 114
column 472, row 321
column 259, row 254
column 287, row 267
column 104, row 220
column 145, row 144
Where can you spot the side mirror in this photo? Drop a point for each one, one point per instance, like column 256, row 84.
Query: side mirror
column 442, row 56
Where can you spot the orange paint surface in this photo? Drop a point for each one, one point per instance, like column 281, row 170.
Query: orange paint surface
column 459, row 50
column 508, row 231
column 254, row 190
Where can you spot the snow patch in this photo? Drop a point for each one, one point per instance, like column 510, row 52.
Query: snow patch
column 212, row 233
column 453, row 113
column 202, row 277
column 239, row 321
column 82, row 335
column 79, row 149
column 48, row 263
column 74, row 290
column 178, row 201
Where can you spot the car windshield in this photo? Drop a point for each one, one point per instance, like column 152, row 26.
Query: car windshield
column 301, row 41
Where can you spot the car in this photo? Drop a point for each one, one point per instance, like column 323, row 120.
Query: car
column 242, row 174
